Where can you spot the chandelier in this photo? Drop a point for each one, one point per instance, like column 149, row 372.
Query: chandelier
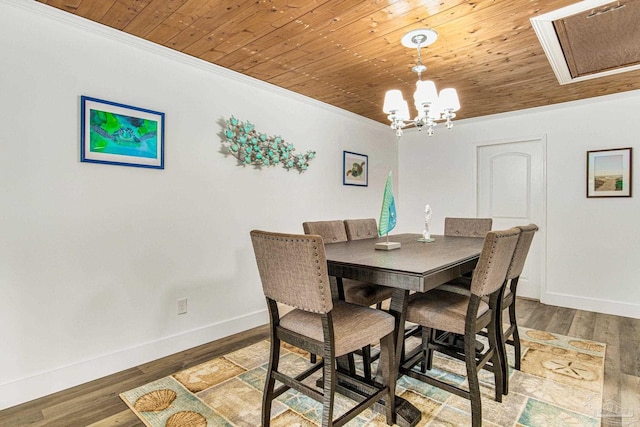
column 432, row 107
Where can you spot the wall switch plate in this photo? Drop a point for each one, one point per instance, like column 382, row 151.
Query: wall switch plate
column 182, row 306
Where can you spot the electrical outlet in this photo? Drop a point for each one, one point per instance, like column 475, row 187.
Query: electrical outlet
column 182, row 306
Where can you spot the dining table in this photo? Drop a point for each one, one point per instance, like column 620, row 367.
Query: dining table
column 418, row 265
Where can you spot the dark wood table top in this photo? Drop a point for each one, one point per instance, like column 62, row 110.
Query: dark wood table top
column 416, row 266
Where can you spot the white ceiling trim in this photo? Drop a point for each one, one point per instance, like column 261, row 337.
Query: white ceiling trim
column 120, row 36
column 543, row 26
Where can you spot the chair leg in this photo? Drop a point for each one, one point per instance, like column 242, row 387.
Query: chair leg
column 495, row 338
column 352, row 364
column 513, row 324
column 501, row 349
column 387, row 357
column 516, row 335
column 329, row 386
column 472, row 376
column 267, row 396
column 426, row 363
column 425, row 348
column 366, row 361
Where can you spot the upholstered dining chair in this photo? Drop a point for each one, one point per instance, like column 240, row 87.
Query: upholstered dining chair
column 467, row 227
column 352, row 291
column 364, row 293
column 293, row 271
column 463, row 227
column 466, row 315
column 358, row 292
column 509, row 335
column 357, row 229
column 509, row 300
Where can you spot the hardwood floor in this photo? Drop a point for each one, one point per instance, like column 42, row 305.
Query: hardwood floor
column 97, row 404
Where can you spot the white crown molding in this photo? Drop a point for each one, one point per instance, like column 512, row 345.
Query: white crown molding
column 120, row 36
column 552, row 107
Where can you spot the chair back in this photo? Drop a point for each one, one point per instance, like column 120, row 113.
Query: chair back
column 330, row 231
column 361, row 228
column 497, row 251
column 522, row 249
column 467, row 227
column 293, row 269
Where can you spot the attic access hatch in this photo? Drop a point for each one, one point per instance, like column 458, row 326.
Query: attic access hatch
column 590, row 39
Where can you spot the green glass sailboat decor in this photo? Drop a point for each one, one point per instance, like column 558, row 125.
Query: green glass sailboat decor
column 388, row 217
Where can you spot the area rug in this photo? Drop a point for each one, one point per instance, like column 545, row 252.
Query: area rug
column 560, row 384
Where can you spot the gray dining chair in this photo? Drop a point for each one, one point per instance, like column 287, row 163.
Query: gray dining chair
column 365, row 293
column 462, row 227
column 293, row 271
column 467, row 227
column 510, row 335
column 358, row 229
column 352, row 291
column 466, row 315
column 509, row 300
column 358, row 292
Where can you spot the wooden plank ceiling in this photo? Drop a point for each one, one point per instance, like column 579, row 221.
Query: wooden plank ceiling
column 348, row 52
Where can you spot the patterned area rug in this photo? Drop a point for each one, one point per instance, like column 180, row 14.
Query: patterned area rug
column 560, row 384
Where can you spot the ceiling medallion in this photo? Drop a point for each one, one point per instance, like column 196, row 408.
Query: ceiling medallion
column 432, row 107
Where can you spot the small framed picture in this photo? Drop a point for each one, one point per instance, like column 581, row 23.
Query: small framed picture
column 119, row 134
column 355, row 169
column 609, row 173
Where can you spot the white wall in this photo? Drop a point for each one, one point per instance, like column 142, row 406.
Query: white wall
column 592, row 244
column 94, row 257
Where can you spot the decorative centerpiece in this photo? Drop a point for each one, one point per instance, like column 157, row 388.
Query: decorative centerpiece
column 426, row 233
column 253, row 148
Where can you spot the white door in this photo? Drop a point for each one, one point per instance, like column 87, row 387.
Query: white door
column 511, row 190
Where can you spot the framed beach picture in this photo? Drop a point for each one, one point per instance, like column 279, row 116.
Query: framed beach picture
column 119, row 134
column 609, row 173
column 355, row 169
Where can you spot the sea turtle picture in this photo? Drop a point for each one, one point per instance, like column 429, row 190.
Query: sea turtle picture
column 356, row 170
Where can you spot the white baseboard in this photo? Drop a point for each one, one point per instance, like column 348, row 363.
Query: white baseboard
column 45, row 383
column 617, row 308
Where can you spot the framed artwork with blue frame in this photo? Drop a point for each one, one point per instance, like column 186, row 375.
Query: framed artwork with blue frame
column 119, row 134
column 355, row 169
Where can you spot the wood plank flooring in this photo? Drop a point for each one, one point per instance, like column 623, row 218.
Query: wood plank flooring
column 97, row 404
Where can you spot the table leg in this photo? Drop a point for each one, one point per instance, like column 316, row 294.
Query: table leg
column 407, row 414
column 337, row 290
column 398, row 308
